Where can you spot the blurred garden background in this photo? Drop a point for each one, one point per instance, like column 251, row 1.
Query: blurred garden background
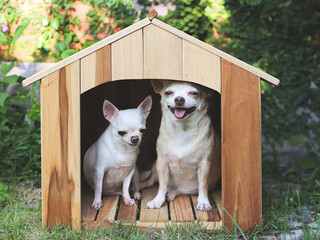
column 280, row 37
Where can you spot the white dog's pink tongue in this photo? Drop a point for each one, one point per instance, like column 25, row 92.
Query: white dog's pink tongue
column 179, row 113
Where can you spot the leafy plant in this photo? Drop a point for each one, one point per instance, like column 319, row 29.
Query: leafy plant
column 9, row 15
column 106, row 16
column 4, row 195
column 281, row 38
column 20, row 139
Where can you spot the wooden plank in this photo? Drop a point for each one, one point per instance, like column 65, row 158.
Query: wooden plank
column 181, row 209
column 143, row 226
column 127, row 57
column 60, row 147
column 241, row 146
column 127, row 213
column 216, row 194
column 88, row 214
column 210, row 216
column 87, row 51
column 162, row 54
column 96, row 69
column 152, row 215
column 201, row 66
column 108, row 210
column 215, row 51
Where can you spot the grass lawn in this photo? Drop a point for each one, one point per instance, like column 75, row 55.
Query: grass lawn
column 21, row 219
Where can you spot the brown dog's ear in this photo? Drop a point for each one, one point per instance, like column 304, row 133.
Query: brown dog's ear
column 157, row 85
column 145, row 106
column 110, row 112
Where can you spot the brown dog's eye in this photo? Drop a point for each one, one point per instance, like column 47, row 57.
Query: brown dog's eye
column 121, row 133
column 168, row 93
column 142, row 130
column 194, row 93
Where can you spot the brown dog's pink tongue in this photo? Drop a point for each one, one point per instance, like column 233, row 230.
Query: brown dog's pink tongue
column 179, row 113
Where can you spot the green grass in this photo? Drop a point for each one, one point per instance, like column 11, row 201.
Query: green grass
column 21, row 219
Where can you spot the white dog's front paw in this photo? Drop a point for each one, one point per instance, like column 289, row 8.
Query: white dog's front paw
column 97, row 204
column 137, row 196
column 204, row 206
column 129, row 201
column 154, row 203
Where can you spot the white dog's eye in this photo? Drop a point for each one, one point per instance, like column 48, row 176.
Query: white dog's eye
column 168, row 93
column 122, row 133
column 142, row 130
column 193, row 93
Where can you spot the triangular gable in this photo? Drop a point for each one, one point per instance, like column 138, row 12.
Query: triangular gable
column 165, row 55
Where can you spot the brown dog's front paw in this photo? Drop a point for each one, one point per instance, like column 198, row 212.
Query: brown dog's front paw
column 155, row 203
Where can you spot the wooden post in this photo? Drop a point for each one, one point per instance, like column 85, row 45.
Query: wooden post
column 60, row 147
column 241, row 146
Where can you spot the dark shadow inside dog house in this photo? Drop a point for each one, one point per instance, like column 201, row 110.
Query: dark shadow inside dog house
column 126, row 94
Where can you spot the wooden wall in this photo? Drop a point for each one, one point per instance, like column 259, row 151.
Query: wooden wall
column 60, row 147
column 241, row 146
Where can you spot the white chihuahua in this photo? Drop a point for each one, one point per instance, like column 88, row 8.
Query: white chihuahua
column 188, row 149
column 111, row 161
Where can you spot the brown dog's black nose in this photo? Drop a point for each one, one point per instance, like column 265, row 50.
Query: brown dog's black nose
column 134, row 139
column 179, row 101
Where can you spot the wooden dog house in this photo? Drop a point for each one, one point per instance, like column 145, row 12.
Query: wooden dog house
column 150, row 49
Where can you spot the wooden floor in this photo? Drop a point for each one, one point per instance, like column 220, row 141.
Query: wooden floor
column 182, row 209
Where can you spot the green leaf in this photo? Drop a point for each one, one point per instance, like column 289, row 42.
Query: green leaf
column 297, row 140
column 45, row 21
column 20, row 30
column 5, row 68
column 68, row 53
column 3, row 39
column 61, row 46
column 11, row 79
column 3, row 97
column 55, row 23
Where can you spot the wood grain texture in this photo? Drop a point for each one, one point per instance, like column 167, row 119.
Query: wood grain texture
column 152, row 215
column 181, row 209
column 137, row 26
column 108, row 210
column 215, row 51
column 210, row 216
column 88, row 214
column 162, row 54
column 127, row 57
column 96, row 69
column 201, row 66
column 127, row 213
column 241, row 146
column 85, row 52
column 60, row 147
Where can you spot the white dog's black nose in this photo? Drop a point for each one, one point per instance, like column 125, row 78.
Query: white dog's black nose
column 179, row 101
column 134, row 139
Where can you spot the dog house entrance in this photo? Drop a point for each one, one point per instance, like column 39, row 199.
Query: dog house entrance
column 128, row 94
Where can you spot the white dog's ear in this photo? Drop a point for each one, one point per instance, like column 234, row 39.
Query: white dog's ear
column 157, row 85
column 145, row 106
column 110, row 112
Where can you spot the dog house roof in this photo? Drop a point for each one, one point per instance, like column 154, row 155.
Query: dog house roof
column 160, row 26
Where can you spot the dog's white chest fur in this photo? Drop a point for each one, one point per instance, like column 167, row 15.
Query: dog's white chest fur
column 183, row 149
